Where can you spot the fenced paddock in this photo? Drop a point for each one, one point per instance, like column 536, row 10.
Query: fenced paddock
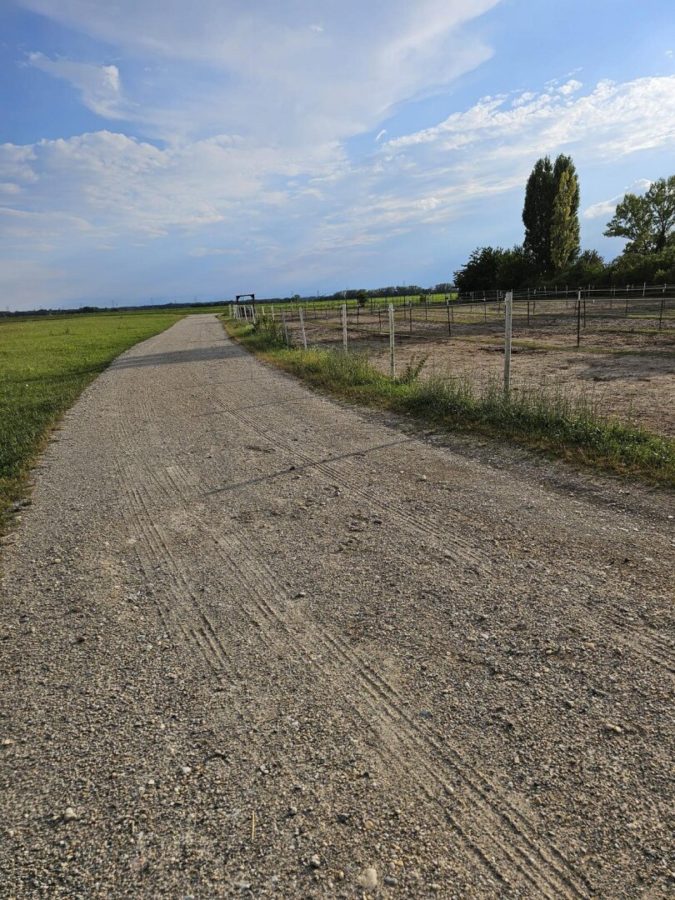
column 614, row 346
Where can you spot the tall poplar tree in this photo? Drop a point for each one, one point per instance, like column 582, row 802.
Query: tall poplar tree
column 565, row 214
column 537, row 213
column 551, row 214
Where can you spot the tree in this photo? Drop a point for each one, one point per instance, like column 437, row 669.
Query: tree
column 514, row 268
column 537, row 212
column 647, row 222
column 565, row 214
column 551, row 214
column 480, row 273
column 587, row 268
column 489, row 268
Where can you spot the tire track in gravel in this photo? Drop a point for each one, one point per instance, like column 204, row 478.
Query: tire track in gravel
column 513, row 840
column 268, row 623
column 494, row 831
column 153, row 546
column 503, row 831
column 651, row 646
column 646, row 642
column 465, row 552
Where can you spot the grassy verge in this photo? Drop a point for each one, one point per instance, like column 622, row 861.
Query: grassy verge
column 556, row 423
column 45, row 363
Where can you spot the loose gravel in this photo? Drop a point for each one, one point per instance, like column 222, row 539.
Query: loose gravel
column 255, row 642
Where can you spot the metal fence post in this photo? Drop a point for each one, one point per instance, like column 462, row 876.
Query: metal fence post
column 344, row 327
column 302, row 328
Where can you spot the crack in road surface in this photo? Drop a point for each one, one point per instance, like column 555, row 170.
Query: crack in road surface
column 255, row 641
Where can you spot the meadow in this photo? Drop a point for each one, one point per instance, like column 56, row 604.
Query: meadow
column 45, row 363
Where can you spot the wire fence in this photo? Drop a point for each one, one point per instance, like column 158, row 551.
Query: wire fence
column 583, row 317
column 616, row 345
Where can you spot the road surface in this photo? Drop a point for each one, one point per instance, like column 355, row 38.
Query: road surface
column 255, row 642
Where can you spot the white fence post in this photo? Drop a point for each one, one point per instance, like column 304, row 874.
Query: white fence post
column 392, row 339
column 507, row 341
column 344, row 327
column 302, row 328
column 285, row 326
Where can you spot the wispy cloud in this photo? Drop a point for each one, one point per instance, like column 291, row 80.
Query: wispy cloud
column 274, row 70
column 605, row 208
column 612, row 118
column 99, row 85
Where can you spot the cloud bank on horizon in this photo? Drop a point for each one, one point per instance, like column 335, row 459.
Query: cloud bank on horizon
column 306, row 147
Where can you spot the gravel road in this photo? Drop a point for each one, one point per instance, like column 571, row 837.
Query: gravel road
column 255, row 642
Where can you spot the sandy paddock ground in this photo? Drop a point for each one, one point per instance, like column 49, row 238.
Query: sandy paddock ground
column 624, row 367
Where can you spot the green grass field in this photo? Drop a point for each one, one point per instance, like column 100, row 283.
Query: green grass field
column 45, row 363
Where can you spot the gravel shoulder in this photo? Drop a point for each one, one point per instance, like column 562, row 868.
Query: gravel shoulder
column 255, row 642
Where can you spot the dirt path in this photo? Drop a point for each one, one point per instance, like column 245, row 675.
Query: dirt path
column 257, row 643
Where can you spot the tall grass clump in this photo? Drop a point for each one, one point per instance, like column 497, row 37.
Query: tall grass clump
column 569, row 424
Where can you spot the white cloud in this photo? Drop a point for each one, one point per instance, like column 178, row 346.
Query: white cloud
column 605, row 208
column 612, row 120
column 570, row 87
column 273, row 75
column 99, row 86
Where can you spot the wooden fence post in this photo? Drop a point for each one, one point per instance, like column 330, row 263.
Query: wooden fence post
column 392, row 338
column 507, row 341
column 344, row 327
column 302, row 328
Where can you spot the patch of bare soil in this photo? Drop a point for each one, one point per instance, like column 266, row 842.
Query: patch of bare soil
column 624, row 367
column 256, row 642
column 634, row 387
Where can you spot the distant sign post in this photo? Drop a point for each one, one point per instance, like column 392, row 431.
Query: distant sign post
column 251, row 297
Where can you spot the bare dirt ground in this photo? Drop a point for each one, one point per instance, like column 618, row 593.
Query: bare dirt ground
column 258, row 643
column 624, row 367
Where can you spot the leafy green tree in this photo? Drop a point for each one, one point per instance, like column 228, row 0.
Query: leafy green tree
column 514, row 268
column 565, row 214
column 647, row 221
column 588, row 268
column 489, row 268
column 480, row 272
column 551, row 214
column 537, row 213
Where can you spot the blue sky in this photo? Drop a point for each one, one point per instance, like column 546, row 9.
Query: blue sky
column 161, row 150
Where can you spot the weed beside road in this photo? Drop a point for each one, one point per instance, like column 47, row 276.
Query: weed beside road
column 45, row 363
column 557, row 423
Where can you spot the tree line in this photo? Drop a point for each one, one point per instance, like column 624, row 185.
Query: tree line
column 551, row 252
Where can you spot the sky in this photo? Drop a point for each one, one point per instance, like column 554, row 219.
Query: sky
column 160, row 150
